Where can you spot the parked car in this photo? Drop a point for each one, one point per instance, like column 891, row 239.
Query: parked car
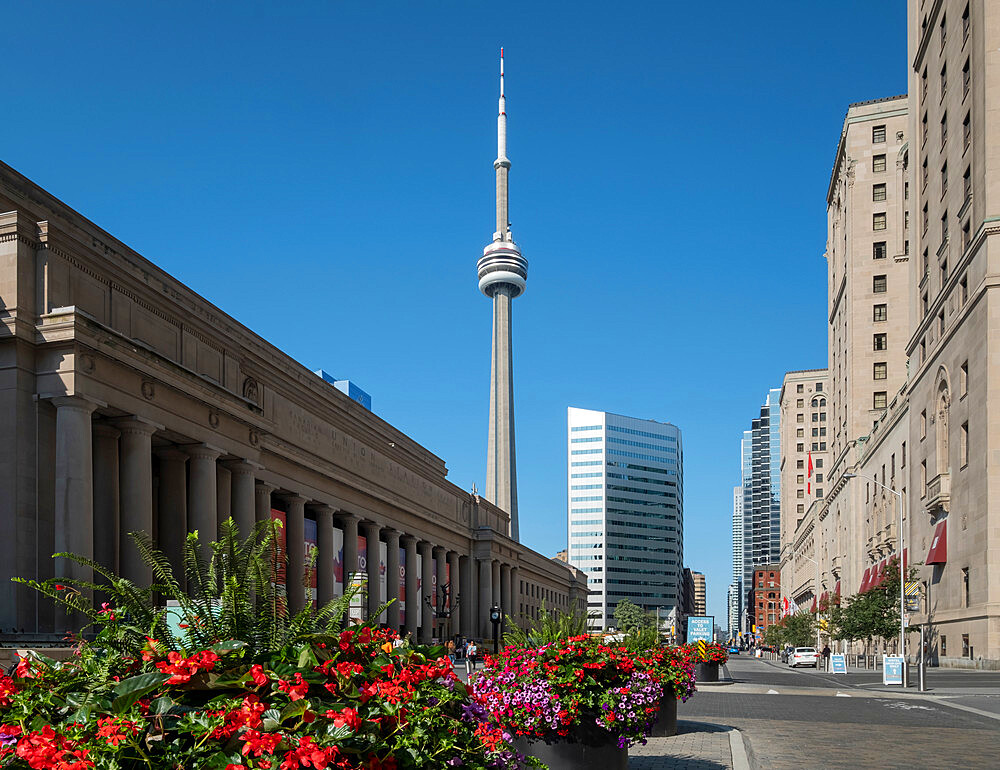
column 804, row 656
column 734, row 650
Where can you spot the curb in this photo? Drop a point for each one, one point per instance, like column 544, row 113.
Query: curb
column 740, row 751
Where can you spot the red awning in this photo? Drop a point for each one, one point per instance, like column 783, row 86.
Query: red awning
column 813, row 609
column 864, row 581
column 836, row 591
column 879, row 574
column 939, row 544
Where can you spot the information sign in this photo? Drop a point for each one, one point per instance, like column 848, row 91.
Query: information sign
column 892, row 669
column 838, row 663
column 700, row 627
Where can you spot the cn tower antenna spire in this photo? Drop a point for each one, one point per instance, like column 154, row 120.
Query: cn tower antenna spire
column 503, row 275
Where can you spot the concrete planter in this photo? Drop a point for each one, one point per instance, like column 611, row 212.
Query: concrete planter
column 666, row 720
column 574, row 756
column 706, row 672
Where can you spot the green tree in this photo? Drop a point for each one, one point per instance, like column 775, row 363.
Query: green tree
column 630, row 617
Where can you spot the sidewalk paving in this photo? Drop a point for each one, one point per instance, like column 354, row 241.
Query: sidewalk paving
column 697, row 746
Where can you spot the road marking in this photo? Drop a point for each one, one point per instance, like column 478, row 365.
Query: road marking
column 843, row 695
column 773, row 692
column 908, row 706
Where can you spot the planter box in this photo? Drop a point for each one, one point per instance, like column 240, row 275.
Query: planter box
column 706, row 672
column 574, row 756
column 666, row 721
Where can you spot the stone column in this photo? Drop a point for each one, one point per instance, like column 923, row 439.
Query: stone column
column 172, row 507
column 441, row 566
column 515, row 595
column 372, row 532
column 468, row 598
column 224, row 492
column 412, row 596
column 242, row 504
column 262, row 501
column 203, row 495
column 392, row 577
column 454, row 597
column 106, row 496
column 426, row 580
column 136, row 479
column 295, row 547
column 349, row 526
column 482, row 623
column 325, row 556
column 504, row 593
column 74, row 508
column 495, row 583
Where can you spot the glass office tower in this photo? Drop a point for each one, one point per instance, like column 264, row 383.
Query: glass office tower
column 625, row 483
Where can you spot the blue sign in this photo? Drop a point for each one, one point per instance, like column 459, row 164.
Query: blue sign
column 892, row 670
column 838, row 663
column 701, row 628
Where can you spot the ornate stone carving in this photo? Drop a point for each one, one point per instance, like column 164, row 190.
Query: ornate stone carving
column 148, row 390
column 254, row 438
column 87, row 363
column 251, row 390
column 213, row 418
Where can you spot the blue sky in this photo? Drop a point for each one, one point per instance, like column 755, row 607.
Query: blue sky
column 323, row 172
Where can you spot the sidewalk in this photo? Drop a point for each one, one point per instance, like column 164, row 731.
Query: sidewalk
column 697, row 746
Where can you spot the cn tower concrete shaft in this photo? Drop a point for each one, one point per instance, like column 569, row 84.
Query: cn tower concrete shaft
column 503, row 275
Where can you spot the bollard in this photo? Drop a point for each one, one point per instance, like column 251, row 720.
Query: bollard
column 923, row 661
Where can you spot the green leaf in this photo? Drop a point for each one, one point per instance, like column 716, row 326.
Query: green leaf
column 294, row 709
column 223, row 648
column 130, row 690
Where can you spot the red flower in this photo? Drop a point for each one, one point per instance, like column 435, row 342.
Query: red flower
column 295, row 691
column 258, row 675
column 7, row 689
column 345, row 717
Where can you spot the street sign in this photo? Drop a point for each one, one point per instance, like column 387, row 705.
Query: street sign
column 701, row 649
column 892, row 669
column 913, row 592
column 906, row 620
column 838, row 663
column 700, row 627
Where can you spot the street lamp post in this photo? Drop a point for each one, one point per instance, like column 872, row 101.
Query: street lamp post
column 902, row 571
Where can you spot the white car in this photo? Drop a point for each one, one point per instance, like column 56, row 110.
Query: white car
column 803, row 656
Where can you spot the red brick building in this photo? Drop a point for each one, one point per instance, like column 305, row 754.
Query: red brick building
column 766, row 600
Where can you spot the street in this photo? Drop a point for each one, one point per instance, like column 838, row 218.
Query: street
column 803, row 719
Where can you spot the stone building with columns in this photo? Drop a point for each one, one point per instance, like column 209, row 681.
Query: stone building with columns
column 128, row 402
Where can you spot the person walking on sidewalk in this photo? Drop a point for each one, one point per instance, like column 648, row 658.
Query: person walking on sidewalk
column 826, row 657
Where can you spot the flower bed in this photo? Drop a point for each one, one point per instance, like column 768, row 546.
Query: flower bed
column 580, row 690
column 714, row 653
column 346, row 701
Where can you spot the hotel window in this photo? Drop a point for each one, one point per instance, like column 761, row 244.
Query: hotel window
column 879, row 399
column 798, row 388
column 923, row 424
column 819, row 478
column 965, row 79
column 941, row 324
column 923, row 478
column 878, row 250
column 800, row 417
column 925, row 221
column 815, row 447
column 819, row 387
column 923, row 304
column 966, row 131
column 944, row 646
column 800, row 447
column 879, row 314
column 963, row 379
column 800, row 433
column 822, row 445
column 966, row 234
column 906, row 243
column 906, row 220
column 944, row 178
column 923, row 123
column 902, row 456
column 879, row 342
column 923, row 175
column 815, row 416
column 878, row 134
column 923, row 88
column 880, row 370
column 963, row 290
column 967, row 183
column 819, row 492
column 799, row 464
column 800, row 479
column 944, row 129
column 819, row 463
column 944, row 226
column 965, row 586
column 815, row 433
column 906, row 191
column 878, row 192
column 943, row 272
column 800, row 493
column 822, row 416
column 966, row 648
column 800, row 402
column 878, row 284
column 944, row 80
column 944, row 30
column 923, row 342
column 878, row 163
column 963, row 446
column 965, row 24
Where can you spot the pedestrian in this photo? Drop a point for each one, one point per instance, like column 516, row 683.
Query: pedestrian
column 471, row 656
column 826, row 657
column 451, row 650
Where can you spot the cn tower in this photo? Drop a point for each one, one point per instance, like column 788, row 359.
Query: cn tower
column 503, row 275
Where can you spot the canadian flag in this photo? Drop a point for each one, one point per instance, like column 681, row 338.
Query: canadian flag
column 809, row 475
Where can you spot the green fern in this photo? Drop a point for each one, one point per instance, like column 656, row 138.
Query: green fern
column 228, row 593
column 550, row 626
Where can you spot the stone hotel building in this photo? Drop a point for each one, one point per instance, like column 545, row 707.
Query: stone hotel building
column 128, row 402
